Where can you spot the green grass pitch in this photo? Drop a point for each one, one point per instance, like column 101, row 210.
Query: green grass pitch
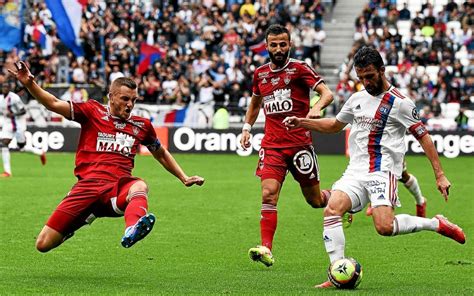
column 199, row 244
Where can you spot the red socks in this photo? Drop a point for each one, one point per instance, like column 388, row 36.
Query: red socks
column 268, row 224
column 136, row 208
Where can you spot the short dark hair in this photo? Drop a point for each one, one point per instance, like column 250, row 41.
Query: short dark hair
column 124, row 81
column 366, row 56
column 277, row 29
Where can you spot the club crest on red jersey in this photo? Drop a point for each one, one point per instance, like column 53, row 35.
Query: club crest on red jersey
column 135, row 130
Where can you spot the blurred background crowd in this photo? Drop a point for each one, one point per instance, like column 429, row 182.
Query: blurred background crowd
column 205, row 52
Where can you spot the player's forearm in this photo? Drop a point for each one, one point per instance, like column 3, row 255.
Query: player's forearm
column 326, row 97
column 323, row 125
column 432, row 154
column 252, row 112
column 170, row 164
column 42, row 96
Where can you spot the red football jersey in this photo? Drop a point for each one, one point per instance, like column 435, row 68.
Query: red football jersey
column 107, row 144
column 285, row 93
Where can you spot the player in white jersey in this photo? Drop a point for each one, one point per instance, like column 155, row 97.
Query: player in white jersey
column 380, row 116
column 13, row 126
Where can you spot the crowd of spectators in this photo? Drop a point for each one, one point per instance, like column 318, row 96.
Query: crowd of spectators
column 207, row 45
column 429, row 53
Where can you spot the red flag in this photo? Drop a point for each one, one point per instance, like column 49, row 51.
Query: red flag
column 148, row 55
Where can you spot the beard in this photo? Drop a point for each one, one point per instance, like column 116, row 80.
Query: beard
column 279, row 59
column 375, row 89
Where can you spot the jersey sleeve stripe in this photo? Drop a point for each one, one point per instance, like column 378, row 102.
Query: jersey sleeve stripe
column 71, row 108
column 397, row 93
column 316, row 83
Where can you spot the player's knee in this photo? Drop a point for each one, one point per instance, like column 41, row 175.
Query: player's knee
column 139, row 186
column 317, row 202
column 42, row 244
column 6, row 142
column 384, row 228
column 269, row 196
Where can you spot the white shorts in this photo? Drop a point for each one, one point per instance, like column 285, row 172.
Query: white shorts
column 14, row 129
column 378, row 188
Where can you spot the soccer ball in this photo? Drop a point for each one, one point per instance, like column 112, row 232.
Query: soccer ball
column 345, row 273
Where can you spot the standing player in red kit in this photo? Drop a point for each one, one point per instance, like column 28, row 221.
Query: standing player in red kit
column 284, row 87
column 109, row 140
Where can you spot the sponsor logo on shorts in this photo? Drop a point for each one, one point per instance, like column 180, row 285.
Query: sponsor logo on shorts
column 303, row 161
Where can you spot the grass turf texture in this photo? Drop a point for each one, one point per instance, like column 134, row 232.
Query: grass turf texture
column 200, row 241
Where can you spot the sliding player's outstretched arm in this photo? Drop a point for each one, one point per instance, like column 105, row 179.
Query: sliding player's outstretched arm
column 169, row 163
column 52, row 103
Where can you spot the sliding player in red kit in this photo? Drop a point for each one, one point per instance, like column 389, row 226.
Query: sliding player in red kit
column 109, row 140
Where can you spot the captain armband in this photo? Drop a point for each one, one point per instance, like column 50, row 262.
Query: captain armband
column 418, row 130
column 154, row 146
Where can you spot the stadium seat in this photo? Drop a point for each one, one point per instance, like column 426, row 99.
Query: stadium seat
column 389, row 69
column 452, row 110
column 404, row 28
column 432, row 72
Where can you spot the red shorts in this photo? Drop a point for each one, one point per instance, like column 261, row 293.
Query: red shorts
column 89, row 199
column 301, row 161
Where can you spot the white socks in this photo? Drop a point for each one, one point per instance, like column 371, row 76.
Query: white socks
column 333, row 236
column 6, row 160
column 404, row 224
column 414, row 188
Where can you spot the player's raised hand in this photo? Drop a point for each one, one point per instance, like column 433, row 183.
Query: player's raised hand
column 292, row 122
column 190, row 181
column 245, row 140
column 22, row 73
column 443, row 186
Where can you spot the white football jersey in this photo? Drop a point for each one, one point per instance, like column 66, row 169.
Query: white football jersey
column 11, row 103
column 379, row 125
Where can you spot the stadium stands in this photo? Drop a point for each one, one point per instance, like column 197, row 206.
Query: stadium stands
column 428, row 49
column 193, row 52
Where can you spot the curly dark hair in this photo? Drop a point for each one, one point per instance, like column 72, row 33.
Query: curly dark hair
column 277, row 29
column 366, row 56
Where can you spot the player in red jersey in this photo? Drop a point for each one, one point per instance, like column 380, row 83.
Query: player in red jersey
column 109, row 140
column 284, row 86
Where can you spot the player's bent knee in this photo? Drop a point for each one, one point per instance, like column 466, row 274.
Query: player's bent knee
column 43, row 244
column 330, row 210
column 6, row 142
column 385, row 229
column 269, row 196
column 139, row 186
column 316, row 203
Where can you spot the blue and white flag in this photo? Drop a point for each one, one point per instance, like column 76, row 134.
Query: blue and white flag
column 67, row 14
column 10, row 25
